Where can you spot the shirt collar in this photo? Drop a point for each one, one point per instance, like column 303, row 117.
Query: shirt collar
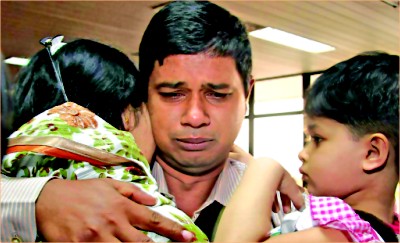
column 223, row 188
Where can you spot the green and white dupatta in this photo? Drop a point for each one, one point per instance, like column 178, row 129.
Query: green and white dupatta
column 71, row 142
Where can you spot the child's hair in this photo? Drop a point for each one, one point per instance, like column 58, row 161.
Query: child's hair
column 361, row 93
column 95, row 76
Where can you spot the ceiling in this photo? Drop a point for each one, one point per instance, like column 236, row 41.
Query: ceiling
column 350, row 26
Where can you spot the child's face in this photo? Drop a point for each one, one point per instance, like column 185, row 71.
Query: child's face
column 332, row 158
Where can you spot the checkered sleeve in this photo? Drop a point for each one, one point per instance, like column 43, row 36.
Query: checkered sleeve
column 331, row 212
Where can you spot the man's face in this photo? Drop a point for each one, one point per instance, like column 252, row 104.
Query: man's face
column 197, row 105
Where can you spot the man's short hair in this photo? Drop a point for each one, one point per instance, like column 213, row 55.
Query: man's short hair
column 192, row 27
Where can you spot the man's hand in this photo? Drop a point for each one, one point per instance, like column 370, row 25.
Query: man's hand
column 100, row 210
column 239, row 154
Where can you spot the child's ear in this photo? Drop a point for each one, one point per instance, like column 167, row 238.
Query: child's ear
column 378, row 151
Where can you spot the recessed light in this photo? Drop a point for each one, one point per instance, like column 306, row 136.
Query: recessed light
column 19, row 61
column 291, row 40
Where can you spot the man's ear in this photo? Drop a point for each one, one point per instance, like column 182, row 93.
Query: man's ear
column 378, row 152
column 128, row 118
column 251, row 85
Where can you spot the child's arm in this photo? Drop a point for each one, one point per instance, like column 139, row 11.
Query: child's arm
column 317, row 234
column 248, row 214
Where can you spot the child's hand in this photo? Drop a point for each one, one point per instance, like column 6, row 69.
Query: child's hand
column 286, row 185
column 286, row 202
column 289, row 191
column 239, row 154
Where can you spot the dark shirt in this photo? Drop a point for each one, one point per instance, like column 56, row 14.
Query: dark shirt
column 208, row 218
column 384, row 230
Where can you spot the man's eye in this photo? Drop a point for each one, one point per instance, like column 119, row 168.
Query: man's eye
column 171, row 95
column 217, row 95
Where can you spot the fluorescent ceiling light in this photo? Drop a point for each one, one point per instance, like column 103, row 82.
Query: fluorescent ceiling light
column 291, row 40
column 17, row 61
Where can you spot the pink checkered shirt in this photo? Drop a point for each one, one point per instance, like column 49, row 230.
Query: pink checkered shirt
column 334, row 213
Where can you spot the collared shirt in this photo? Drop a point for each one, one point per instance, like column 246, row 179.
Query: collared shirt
column 223, row 188
column 18, row 197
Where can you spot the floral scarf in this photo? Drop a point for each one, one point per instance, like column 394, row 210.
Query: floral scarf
column 71, row 142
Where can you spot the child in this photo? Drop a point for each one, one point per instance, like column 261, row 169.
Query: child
column 350, row 162
column 69, row 141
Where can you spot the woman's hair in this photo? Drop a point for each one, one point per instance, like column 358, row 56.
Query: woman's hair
column 95, row 76
column 6, row 105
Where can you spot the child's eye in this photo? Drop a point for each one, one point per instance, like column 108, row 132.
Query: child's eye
column 307, row 139
column 316, row 140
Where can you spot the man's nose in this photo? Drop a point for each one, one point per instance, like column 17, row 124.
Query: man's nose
column 196, row 112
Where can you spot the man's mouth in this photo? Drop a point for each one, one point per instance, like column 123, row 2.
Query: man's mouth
column 194, row 144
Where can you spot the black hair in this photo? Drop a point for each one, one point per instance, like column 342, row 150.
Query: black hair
column 7, row 87
column 361, row 93
column 192, row 27
column 95, row 76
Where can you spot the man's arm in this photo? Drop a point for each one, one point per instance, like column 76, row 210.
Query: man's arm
column 18, row 197
column 97, row 210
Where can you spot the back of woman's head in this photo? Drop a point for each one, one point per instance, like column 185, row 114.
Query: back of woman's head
column 95, row 76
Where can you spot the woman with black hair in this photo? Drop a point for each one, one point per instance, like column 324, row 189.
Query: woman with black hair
column 77, row 110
